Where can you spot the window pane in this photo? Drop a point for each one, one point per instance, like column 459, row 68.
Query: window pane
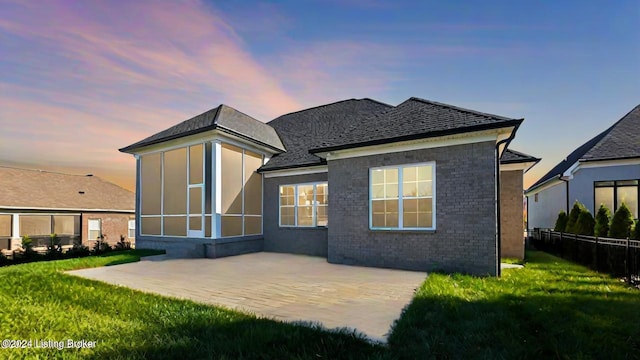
column 385, row 213
column 231, row 180
column 425, row 188
column 95, row 228
column 287, row 217
column 34, row 225
column 305, row 195
column 150, row 225
column 425, row 212
column 410, row 189
column 195, row 200
column 195, row 164
column 627, row 182
column 425, row 220
column 322, row 194
column 391, row 176
column 409, row 174
column 604, row 195
column 132, row 228
column 175, row 226
column 322, row 214
column 175, row 181
column 231, row 226
column 377, row 191
column 629, row 195
column 287, row 195
column 252, row 225
column 305, row 215
column 604, row 183
column 377, row 176
column 151, row 181
column 252, row 184
column 391, row 191
column 425, row 173
column 66, row 224
column 195, row 223
column 5, row 225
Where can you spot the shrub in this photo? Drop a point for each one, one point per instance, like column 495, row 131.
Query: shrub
column 561, row 222
column 573, row 217
column 78, row 249
column 621, row 223
column 54, row 249
column 3, row 260
column 636, row 231
column 585, row 223
column 603, row 218
column 101, row 247
column 123, row 244
column 27, row 252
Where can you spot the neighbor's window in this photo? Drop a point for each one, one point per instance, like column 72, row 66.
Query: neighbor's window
column 402, row 197
column 132, row 229
column 95, row 229
column 304, row 205
column 613, row 193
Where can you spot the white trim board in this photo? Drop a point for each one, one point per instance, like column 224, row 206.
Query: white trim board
column 296, row 171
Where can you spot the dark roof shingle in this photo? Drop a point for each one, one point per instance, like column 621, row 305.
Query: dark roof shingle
column 414, row 119
column 514, row 157
column 33, row 189
column 222, row 117
column 306, row 129
column 620, row 141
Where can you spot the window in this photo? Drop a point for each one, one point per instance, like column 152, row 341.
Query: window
column 95, row 229
column 613, row 193
column 403, row 197
column 132, row 229
column 304, row 205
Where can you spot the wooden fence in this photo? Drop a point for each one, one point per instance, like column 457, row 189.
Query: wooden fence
column 618, row 257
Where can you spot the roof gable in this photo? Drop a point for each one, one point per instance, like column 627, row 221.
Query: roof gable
column 620, row 141
column 414, row 119
column 33, row 189
column 224, row 118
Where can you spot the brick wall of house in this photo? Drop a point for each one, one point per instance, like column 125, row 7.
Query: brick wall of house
column 465, row 237
column 113, row 225
column 511, row 214
column 307, row 241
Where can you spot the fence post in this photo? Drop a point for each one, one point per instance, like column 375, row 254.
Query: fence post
column 627, row 265
column 559, row 248
column 596, row 255
column 575, row 248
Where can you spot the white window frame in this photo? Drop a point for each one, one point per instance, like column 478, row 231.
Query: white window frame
column 90, row 229
column 314, row 207
column 401, row 197
column 131, row 225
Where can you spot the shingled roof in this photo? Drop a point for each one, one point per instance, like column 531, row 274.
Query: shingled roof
column 310, row 128
column 414, row 119
column 620, row 141
column 224, row 118
column 36, row 189
column 516, row 157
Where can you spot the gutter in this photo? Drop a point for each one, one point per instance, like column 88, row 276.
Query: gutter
column 506, row 141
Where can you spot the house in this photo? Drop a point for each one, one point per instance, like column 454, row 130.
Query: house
column 74, row 207
column 360, row 182
column 604, row 170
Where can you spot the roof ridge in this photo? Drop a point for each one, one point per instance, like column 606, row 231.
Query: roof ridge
column 48, row 171
column 459, row 108
column 313, row 108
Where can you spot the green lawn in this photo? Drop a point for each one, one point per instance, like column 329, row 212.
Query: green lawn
column 549, row 309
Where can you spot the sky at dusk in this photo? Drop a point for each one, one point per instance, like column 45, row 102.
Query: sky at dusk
column 80, row 79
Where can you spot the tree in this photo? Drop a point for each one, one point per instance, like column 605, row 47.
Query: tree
column 561, row 222
column 603, row 218
column 636, row 231
column 573, row 217
column 585, row 223
column 621, row 223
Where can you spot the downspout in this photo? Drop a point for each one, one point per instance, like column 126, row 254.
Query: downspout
column 566, row 181
column 498, row 220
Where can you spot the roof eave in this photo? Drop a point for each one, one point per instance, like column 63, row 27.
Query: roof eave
column 505, row 124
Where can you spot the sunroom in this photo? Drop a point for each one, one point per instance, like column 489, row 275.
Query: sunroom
column 198, row 189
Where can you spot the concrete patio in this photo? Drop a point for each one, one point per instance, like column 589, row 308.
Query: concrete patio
column 280, row 286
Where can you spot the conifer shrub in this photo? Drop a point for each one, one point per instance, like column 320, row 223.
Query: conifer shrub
column 561, row 221
column 573, row 217
column 603, row 218
column 585, row 223
column 621, row 223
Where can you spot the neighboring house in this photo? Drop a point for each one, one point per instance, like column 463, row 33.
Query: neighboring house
column 40, row 203
column 353, row 181
column 604, row 170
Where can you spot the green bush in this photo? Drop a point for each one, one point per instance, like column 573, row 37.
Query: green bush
column 573, row 217
column 54, row 249
column 78, row 249
column 585, row 223
column 603, row 218
column 636, row 231
column 101, row 247
column 621, row 223
column 123, row 244
column 561, row 222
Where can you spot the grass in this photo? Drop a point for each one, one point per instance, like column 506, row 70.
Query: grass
column 549, row 309
column 39, row 302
